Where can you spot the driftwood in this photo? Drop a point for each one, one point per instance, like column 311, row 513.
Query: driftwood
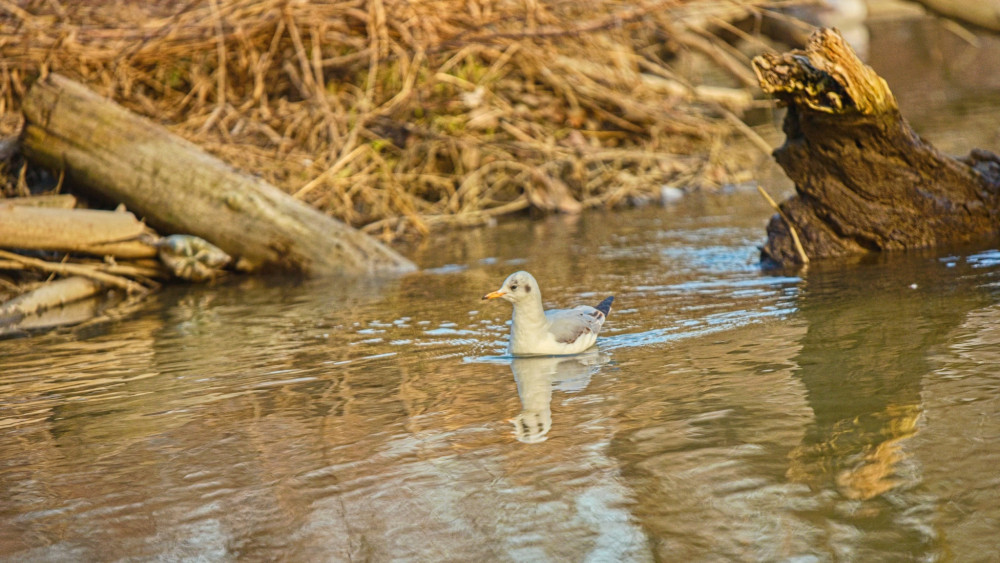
column 131, row 257
column 88, row 231
column 78, row 313
column 45, row 306
column 178, row 188
column 66, row 302
column 864, row 180
column 47, row 296
column 192, row 258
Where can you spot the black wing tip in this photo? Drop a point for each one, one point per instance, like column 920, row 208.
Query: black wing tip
column 605, row 306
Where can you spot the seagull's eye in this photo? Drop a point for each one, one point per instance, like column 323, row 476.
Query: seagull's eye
column 513, row 287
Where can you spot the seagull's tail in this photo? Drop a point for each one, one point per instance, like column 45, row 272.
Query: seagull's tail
column 605, row 306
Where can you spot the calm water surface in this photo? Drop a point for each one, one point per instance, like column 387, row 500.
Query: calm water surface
column 726, row 414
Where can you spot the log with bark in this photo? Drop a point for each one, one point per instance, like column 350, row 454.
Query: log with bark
column 178, row 188
column 864, row 180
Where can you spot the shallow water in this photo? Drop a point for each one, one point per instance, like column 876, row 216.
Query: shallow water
column 726, row 413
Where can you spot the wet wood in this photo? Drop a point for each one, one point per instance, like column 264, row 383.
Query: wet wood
column 88, row 231
column 864, row 180
column 178, row 188
column 47, row 296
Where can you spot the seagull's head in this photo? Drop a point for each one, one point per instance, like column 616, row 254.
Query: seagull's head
column 517, row 287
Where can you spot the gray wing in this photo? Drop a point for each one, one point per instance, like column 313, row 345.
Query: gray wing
column 569, row 324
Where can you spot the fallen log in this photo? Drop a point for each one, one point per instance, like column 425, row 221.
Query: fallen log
column 178, row 188
column 864, row 180
column 89, row 231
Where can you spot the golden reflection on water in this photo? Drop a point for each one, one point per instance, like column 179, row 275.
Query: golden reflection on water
column 860, row 456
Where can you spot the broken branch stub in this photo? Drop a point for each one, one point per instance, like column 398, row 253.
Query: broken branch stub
column 864, row 180
column 828, row 77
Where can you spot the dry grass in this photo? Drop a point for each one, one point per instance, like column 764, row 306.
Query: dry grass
column 401, row 115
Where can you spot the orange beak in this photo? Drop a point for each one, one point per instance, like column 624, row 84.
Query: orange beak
column 494, row 295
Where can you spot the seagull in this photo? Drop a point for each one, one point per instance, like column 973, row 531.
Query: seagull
column 557, row 332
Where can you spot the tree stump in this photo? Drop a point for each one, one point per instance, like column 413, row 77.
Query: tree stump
column 864, row 180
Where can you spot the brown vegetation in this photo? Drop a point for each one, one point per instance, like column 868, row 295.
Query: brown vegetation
column 403, row 115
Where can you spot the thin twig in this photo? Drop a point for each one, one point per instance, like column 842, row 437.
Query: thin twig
column 746, row 130
column 791, row 228
column 77, row 270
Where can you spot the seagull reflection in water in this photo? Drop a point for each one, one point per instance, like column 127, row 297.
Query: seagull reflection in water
column 536, row 376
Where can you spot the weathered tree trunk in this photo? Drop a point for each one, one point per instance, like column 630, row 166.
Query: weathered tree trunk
column 864, row 180
column 178, row 188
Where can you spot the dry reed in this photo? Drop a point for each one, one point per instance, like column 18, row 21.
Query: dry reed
column 398, row 115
